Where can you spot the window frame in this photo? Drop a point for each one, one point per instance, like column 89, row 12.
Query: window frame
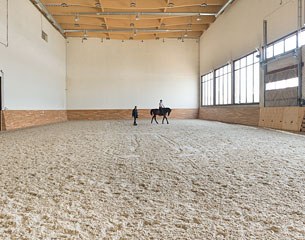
column 283, row 39
column 221, row 75
column 212, row 92
column 233, row 70
column 245, row 67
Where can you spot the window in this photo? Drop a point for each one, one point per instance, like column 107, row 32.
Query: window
column 302, row 38
column 270, row 51
column 290, row 43
column 279, row 48
column 223, row 82
column 246, row 72
column 284, row 45
column 288, row 83
column 207, row 89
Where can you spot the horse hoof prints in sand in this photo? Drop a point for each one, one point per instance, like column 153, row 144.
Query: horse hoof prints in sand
column 165, row 112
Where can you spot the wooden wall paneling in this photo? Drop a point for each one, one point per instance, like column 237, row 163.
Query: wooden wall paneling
column 283, row 118
column 238, row 115
column 16, row 119
column 303, row 122
column 2, row 126
column 125, row 114
column 292, row 119
column 271, row 117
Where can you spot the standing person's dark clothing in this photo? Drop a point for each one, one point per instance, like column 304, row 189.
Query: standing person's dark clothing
column 135, row 115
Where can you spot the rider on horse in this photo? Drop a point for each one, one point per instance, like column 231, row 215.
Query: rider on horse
column 161, row 106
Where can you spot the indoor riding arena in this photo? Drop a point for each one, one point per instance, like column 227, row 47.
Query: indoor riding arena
column 89, row 150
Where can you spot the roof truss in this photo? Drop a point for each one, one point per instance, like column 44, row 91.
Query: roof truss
column 133, row 19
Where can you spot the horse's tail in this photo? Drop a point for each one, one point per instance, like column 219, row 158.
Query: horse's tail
column 169, row 111
column 151, row 112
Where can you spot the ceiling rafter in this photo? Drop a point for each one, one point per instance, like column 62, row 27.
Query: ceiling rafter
column 165, row 10
column 175, row 17
column 105, row 19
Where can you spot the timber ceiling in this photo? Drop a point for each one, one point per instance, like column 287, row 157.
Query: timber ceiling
column 134, row 19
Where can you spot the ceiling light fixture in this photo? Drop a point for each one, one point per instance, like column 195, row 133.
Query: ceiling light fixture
column 137, row 17
column 133, row 4
column 64, row 5
column 98, row 5
column 132, row 25
column 203, row 5
column 76, row 19
column 85, row 37
column 170, row 5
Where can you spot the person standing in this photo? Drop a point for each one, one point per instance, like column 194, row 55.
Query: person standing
column 161, row 106
column 135, row 115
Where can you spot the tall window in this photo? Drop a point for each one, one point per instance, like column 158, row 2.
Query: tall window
column 207, row 89
column 246, row 72
column 223, row 81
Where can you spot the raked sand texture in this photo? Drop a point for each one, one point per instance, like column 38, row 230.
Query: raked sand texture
column 190, row 179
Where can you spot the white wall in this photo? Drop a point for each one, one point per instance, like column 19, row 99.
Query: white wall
column 239, row 30
column 35, row 71
column 119, row 75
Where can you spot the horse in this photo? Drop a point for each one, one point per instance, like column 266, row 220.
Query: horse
column 155, row 112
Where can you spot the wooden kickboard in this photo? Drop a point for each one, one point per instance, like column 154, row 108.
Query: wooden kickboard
column 283, row 118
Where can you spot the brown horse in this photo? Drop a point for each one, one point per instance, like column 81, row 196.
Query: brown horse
column 155, row 112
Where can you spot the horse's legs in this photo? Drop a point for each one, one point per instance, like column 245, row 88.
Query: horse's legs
column 152, row 119
column 156, row 119
column 164, row 117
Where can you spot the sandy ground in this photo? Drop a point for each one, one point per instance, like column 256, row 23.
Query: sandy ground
column 190, row 179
